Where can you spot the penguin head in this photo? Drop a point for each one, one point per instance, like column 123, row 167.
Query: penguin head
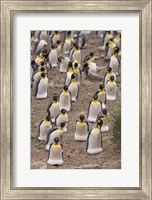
column 116, row 50
column 52, row 46
column 56, row 32
column 55, row 98
column 58, row 42
column 75, row 65
column 43, row 75
column 60, row 58
column 69, row 64
column 32, row 62
column 73, row 76
column 91, row 54
column 95, row 97
column 112, row 78
column 42, row 63
column 62, row 125
column 42, row 68
column 85, row 64
column 105, row 111
column 99, row 123
column 63, row 111
column 68, row 33
column 65, row 87
column 56, row 140
column 101, row 86
column 47, row 118
column 44, row 53
column 81, row 117
column 108, row 32
column 109, row 69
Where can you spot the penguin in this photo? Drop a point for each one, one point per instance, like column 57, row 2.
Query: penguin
column 73, row 87
column 55, row 37
column 67, row 43
column 77, row 55
column 81, row 129
column 64, row 60
column 41, row 44
column 62, row 117
column 117, row 40
column 37, row 36
column 55, row 131
column 65, row 101
column 59, row 47
column 44, row 126
column 95, row 107
column 40, row 68
column 37, row 74
column 53, row 108
column 105, row 119
column 34, row 65
column 111, row 89
column 53, row 57
column 94, row 139
column 41, row 87
column 114, row 63
column 77, row 71
column 90, row 68
column 101, row 93
column 111, row 46
column 89, row 58
column 44, row 35
column 69, row 73
column 55, row 153
column 39, row 59
column 108, row 74
column 82, row 39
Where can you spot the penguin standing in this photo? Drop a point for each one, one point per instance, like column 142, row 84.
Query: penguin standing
column 89, row 58
column 73, row 87
column 44, row 126
column 65, row 101
column 77, row 55
column 41, row 45
column 59, row 47
column 94, row 140
column 55, row 37
column 69, row 73
column 64, row 60
column 111, row 46
column 91, row 66
column 95, row 107
column 39, row 59
column 105, row 119
column 55, row 131
column 53, row 108
column 67, row 43
column 82, row 129
column 62, row 117
column 108, row 74
column 36, row 75
column 114, row 63
column 44, row 35
column 34, row 65
column 111, row 89
column 101, row 93
column 53, row 57
column 41, row 68
column 55, row 153
column 41, row 87
column 78, row 72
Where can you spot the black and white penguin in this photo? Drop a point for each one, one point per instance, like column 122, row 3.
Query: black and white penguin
column 53, row 108
column 111, row 89
column 89, row 58
column 44, row 126
column 55, row 131
column 77, row 71
column 36, row 75
column 105, row 119
column 94, row 140
column 39, row 59
column 69, row 73
column 81, row 39
column 111, row 46
column 41, row 87
column 67, row 42
column 55, row 153
column 81, row 129
column 64, row 60
column 74, row 87
column 53, row 57
column 114, row 63
column 108, row 74
column 91, row 66
column 62, row 117
column 95, row 107
column 117, row 40
column 77, row 55
column 55, row 37
column 41, row 68
column 65, row 101
column 41, row 45
column 101, row 93
column 106, row 37
column 59, row 47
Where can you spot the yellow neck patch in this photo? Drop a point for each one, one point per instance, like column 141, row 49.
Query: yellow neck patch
column 46, row 122
column 102, row 92
column 43, row 79
column 56, row 145
column 65, row 92
column 106, row 117
column 95, row 101
column 67, row 40
column 76, row 70
column 81, row 123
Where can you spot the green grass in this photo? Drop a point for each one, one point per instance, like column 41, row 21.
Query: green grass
column 116, row 122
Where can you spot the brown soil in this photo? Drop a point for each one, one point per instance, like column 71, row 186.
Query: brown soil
column 75, row 155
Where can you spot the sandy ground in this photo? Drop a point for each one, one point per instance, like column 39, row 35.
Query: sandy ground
column 75, row 155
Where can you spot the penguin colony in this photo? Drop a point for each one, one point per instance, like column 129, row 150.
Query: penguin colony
column 65, row 55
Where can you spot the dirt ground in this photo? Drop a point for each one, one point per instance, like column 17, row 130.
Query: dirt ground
column 75, row 155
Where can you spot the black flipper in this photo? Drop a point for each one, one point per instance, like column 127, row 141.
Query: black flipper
column 37, row 85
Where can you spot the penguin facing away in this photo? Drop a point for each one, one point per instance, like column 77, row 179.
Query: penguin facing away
column 81, row 129
column 59, row 47
column 41, row 45
column 62, row 117
column 64, row 60
column 111, row 89
column 53, row 108
column 73, row 87
column 65, row 101
column 44, row 126
column 67, row 43
column 108, row 74
column 41, row 87
column 55, row 131
column 94, row 140
column 55, row 153
column 37, row 74
column 95, row 107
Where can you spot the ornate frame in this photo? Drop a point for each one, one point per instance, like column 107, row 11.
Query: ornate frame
column 143, row 7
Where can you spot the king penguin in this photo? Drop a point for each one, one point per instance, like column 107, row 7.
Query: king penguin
column 108, row 74
column 44, row 126
column 55, row 131
column 95, row 107
column 41, row 87
column 105, row 119
column 55, row 37
column 67, row 43
column 114, row 63
column 81, row 129
column 64, row 60
column 94, row 140
column 65, row 101
column 101, row 93
column 55, row 153
column 69, row 73
column 78, row 72
column 53, row 57
column 77, row 55
column 73, row 87
column 53, row 108
column 111, row 89
column 62, row 117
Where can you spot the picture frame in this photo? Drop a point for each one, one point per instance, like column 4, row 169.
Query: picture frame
column 8, row 9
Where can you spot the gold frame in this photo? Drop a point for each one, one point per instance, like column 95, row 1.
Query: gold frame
column 143, row 7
